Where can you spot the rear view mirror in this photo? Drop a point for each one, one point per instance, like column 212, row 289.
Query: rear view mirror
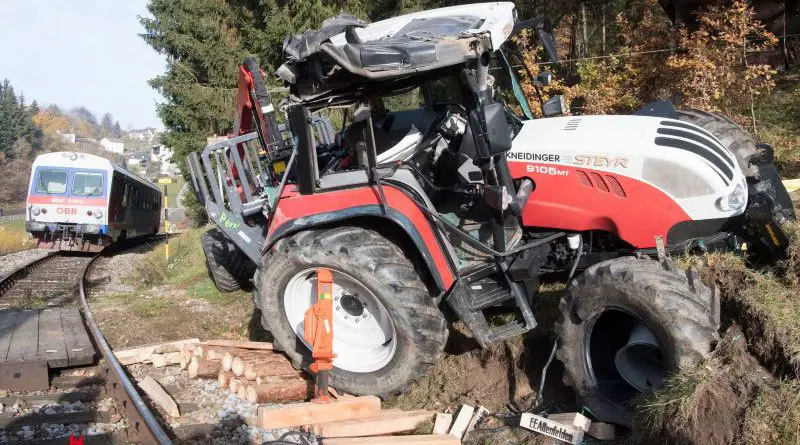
column 545, row 78
column 555, row 106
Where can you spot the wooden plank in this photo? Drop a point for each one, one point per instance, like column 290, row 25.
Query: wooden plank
column 442, row 423
column 30, row 375
column 577, row 420
column 25, row 339
column 310, row 413
column 240, row 344
column 8, row 322
column 602, row 431
column 158, row 395
column 142, row 353
column 791, row 184
column 384, row 423
column 166, row 359
column 423, row 439
column 462, row 421
column 52, row 346
column 479, row 414
column 79, row 347
column 551, row 428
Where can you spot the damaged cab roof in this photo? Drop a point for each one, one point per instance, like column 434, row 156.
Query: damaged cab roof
column 320, row 62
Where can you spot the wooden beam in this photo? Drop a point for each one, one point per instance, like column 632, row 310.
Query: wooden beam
column 313, row 413
column 166, row 359
column 575, row 419
column 442, row 423
column 602, row 431
column 241, row 344
column 384, row 423
column 203, row 369
column 143, row 353
column 425, row 439
column 158, row 395
column 463, row 418
column 479, row 414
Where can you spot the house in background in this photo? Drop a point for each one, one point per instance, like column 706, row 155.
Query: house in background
column 163, row 154
column 138, row 160
column 145, row 134
column 113, row 145
column 67, row 137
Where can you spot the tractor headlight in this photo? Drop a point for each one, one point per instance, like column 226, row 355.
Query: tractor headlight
column 735, row 201
column 36, row 210
column 97, row 213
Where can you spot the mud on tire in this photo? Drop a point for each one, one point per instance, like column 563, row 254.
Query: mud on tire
column 229, row 268
column 380, row 266
column 674, row 304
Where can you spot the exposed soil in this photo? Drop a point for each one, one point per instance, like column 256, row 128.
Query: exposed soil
column 130, row 316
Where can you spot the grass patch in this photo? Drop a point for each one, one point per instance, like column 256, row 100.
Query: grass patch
column 186, row 268
column 734, row 395
column 14, row 238
column 778, row 116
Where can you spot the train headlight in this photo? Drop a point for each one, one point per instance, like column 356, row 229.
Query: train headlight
column 735, row 201
column 36, row 210
column 98, row 213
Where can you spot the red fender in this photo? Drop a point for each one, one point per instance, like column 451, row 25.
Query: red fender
column 296, row 212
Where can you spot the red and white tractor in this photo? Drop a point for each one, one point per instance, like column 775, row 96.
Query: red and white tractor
column 439, row 192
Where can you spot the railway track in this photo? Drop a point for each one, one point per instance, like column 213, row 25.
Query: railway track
column 97, row 401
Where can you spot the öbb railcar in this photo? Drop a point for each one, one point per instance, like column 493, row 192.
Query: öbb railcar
column 82, row 202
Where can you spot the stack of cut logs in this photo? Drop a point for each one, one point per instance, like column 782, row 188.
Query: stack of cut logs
column 251, row 370
column 254, row 372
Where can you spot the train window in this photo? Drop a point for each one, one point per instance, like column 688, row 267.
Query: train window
column 136, row 197
column 52, row 181
column 125, row 192
column 87, row 184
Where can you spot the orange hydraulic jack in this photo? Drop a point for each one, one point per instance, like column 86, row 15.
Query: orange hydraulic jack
column 318, row 333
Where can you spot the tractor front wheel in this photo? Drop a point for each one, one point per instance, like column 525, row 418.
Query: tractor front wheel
column 229, row 268
column 626, row 325
column 387, row 329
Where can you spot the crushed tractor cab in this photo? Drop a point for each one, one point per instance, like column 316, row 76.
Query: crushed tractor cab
column 440, row 192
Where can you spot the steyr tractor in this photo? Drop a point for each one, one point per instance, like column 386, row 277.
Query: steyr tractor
column 438, row 192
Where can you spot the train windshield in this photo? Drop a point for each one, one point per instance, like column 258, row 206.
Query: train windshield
column 52, row 182
column 87, row 184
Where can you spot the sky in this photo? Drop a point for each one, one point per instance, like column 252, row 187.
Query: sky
column 81, row 52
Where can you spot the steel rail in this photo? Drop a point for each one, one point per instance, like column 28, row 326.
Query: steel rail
column 144, row 424
column 8, row 281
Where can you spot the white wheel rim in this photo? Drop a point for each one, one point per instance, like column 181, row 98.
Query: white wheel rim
column 364, row 339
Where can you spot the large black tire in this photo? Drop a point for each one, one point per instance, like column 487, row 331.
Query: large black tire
column 381, row 267
column 229, row 268
column 673, row 303
column 743, row 146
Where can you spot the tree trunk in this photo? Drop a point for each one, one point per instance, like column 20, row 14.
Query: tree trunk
column 605, row 5
column 584, row 35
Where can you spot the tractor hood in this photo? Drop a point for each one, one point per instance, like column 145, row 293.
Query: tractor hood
column 321, row 63
column 684, row 161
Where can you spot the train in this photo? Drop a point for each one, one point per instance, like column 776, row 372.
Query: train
column 82, row 202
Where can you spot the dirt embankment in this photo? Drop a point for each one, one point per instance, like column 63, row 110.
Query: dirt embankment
column 748, row 390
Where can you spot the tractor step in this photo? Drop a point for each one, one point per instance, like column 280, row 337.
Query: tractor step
column 473, row 294
column 488, row 292
column 507, row 331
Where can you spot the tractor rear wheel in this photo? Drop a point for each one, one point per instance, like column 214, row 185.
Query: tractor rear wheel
column 627, row 324
column 743, row 146
column 229, row 268
column 387, row 329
